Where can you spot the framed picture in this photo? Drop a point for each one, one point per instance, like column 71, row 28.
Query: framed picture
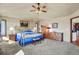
column 24, row 23
column 55, row 25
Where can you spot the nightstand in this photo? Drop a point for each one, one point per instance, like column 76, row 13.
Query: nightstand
column 12, row 37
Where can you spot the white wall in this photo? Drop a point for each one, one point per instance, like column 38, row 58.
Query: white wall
column 53, row 10
column 11, row 23
column 63, row 23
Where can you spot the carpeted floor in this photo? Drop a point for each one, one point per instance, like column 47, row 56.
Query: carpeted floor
column 46, row 47
column 9, row 49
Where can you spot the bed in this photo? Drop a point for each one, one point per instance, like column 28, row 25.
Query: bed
column 27, row 37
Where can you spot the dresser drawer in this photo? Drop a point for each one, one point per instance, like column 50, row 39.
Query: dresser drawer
column 12, row 37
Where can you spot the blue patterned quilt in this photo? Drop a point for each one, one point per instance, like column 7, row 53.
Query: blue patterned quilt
column 25, row 38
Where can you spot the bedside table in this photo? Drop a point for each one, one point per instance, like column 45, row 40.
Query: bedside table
column 12, row 37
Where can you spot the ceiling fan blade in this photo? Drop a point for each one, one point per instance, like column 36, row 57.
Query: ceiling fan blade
column 33, row 6
column 32, row 10
column 43, row 10
column 44, row 7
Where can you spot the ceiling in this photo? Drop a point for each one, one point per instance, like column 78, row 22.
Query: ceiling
column 22, row 10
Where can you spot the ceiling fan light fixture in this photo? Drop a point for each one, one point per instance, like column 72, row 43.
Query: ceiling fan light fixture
column 38, row 8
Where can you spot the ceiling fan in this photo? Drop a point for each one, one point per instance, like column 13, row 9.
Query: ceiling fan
column 38, row 8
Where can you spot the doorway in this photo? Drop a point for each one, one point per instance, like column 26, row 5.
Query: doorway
column 74, row 29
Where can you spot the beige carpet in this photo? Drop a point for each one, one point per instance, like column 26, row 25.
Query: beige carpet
column 46, row 47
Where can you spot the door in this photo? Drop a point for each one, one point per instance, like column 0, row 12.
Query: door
column 74, row 30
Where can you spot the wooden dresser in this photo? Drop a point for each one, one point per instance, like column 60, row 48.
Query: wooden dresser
column 54, row 36
column 51, row 35
column 77, row 41
column 12, row 37
column 45, row 31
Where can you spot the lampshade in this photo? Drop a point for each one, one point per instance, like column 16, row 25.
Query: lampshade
column 11, row 29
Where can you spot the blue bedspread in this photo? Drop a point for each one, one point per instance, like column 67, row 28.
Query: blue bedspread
column 27, row 40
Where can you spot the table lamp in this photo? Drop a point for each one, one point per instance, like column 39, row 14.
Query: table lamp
column 12, row 30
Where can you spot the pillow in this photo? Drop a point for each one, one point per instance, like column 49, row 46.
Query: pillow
column 28, row 31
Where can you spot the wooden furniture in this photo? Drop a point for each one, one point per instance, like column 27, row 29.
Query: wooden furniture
column 77, row 41
column 45, row 31
column 51, row 35
column 55, row 36
column 12, row 37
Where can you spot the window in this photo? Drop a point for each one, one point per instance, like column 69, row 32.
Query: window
column 2, row 27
